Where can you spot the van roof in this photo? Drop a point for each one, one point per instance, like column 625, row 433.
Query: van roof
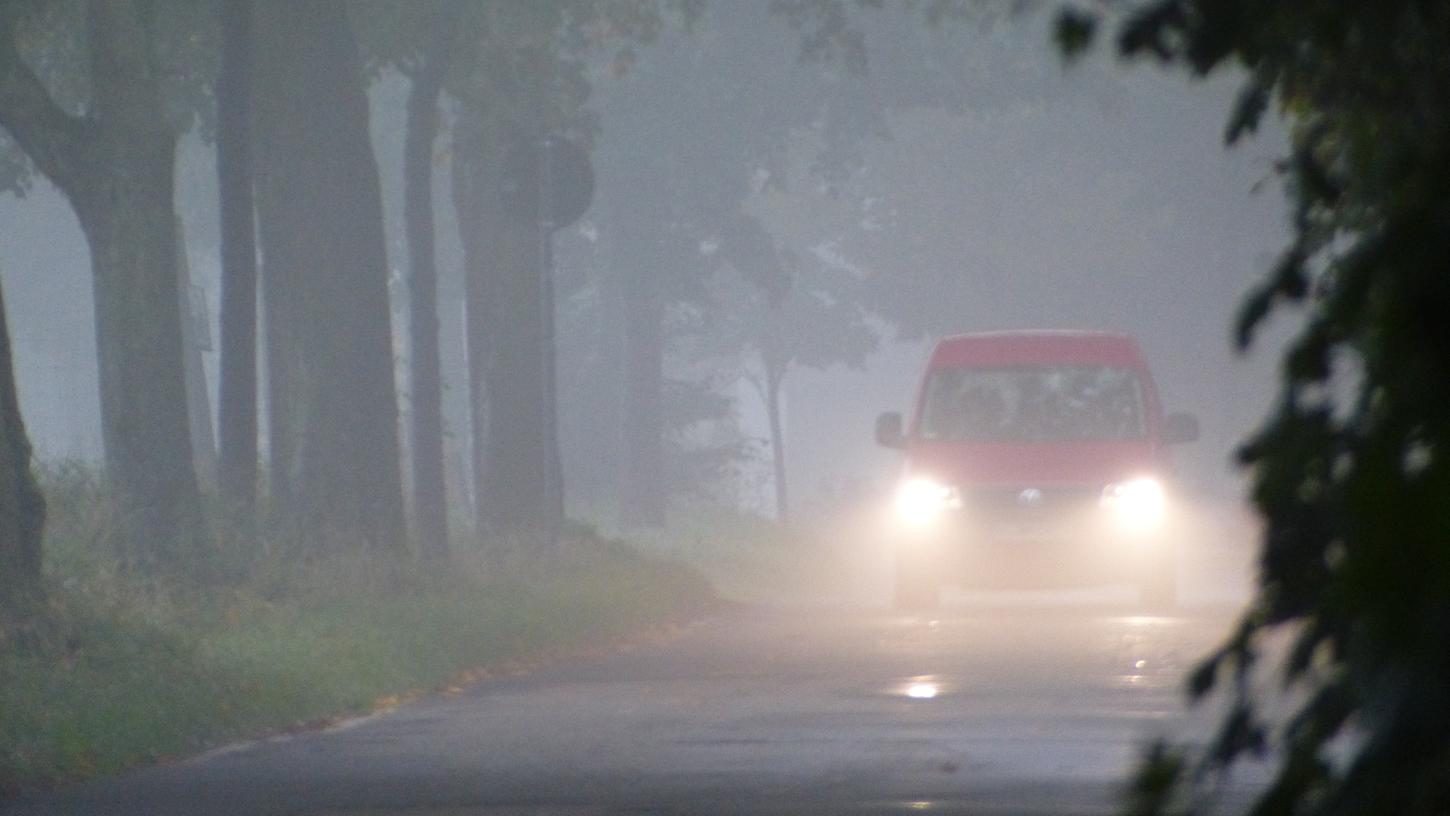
column 1037, row 347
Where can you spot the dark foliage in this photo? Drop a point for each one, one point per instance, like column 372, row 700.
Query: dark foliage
column 1350, row 470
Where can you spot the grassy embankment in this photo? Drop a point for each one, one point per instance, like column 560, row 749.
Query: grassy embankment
column 823, row 558
column 122, row 673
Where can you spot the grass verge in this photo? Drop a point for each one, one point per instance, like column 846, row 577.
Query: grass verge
column 120, row 674
column 833, row 559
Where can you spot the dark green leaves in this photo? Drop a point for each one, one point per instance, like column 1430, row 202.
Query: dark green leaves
column 1347, row 471
column 1074, row 30
column 1249, row 108
column 1159, row 773
column 1155, row 28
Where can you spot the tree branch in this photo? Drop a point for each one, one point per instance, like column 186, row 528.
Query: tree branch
column 123, row 72
column 53, row 139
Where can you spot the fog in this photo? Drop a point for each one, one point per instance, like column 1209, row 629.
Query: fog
column 1031, row 195
column 782, row 208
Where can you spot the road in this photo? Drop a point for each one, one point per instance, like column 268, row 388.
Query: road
column 980, row 708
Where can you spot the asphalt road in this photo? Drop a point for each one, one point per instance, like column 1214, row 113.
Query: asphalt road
column 978, row 709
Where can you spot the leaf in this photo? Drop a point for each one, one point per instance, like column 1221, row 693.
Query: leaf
column 1073, row 32
column 1201, row 681
column 1248, row 109
column 1157, row 776
column 1147, row 29
column 1308, row 359
column 1256, row 307
column 1240, row 733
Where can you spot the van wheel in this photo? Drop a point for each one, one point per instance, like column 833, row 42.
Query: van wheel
column 1158, row 585
column 917, row 587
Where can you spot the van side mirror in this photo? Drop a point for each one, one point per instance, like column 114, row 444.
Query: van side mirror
column 889, row 433
column 1180, row 428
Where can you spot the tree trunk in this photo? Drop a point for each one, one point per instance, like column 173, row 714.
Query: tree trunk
column 517, row 479
column 430, row 500
column 198, row 398
column 333, row 399
column 548, row 315
column 642, row 497
column 470, row 203
column 22, row 508
column 144, row 419
column 509, row 345
column 125, row 204
column 116, row 166
column 237, row 409
column 774, row 377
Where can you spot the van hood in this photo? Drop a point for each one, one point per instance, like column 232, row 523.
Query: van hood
column 972, row 464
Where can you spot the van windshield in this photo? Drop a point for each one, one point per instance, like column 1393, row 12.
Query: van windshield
column 1033, row 404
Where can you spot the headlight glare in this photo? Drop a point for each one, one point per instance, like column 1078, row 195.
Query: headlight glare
column 920, row 501
column 1139, row 502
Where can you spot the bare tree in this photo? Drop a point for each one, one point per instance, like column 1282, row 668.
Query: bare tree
column 115, row 164
column 430, row 500
column 22, row 508
column 333, row 411
column 237, row 409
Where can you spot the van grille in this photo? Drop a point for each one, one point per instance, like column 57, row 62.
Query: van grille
column 987, row 505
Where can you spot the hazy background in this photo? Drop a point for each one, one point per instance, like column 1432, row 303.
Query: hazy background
column 1023, row 195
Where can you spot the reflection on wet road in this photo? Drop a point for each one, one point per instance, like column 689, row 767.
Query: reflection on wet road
column 976, row 709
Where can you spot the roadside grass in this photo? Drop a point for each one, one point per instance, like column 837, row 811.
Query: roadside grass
column 831, row 558
column 121, row 672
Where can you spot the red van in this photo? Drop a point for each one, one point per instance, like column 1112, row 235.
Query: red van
column 1035, row 458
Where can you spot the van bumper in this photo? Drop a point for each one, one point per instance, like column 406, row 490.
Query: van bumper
column 1082, row 548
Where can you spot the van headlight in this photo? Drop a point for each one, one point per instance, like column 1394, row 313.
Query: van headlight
column 920, row 501
column 1136, row 502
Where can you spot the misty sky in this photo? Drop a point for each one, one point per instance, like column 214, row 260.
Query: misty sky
column 1094, row 198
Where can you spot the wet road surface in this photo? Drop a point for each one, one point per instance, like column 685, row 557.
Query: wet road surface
column 976, row 709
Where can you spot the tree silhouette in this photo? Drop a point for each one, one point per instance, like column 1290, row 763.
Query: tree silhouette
column 1349, row 471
